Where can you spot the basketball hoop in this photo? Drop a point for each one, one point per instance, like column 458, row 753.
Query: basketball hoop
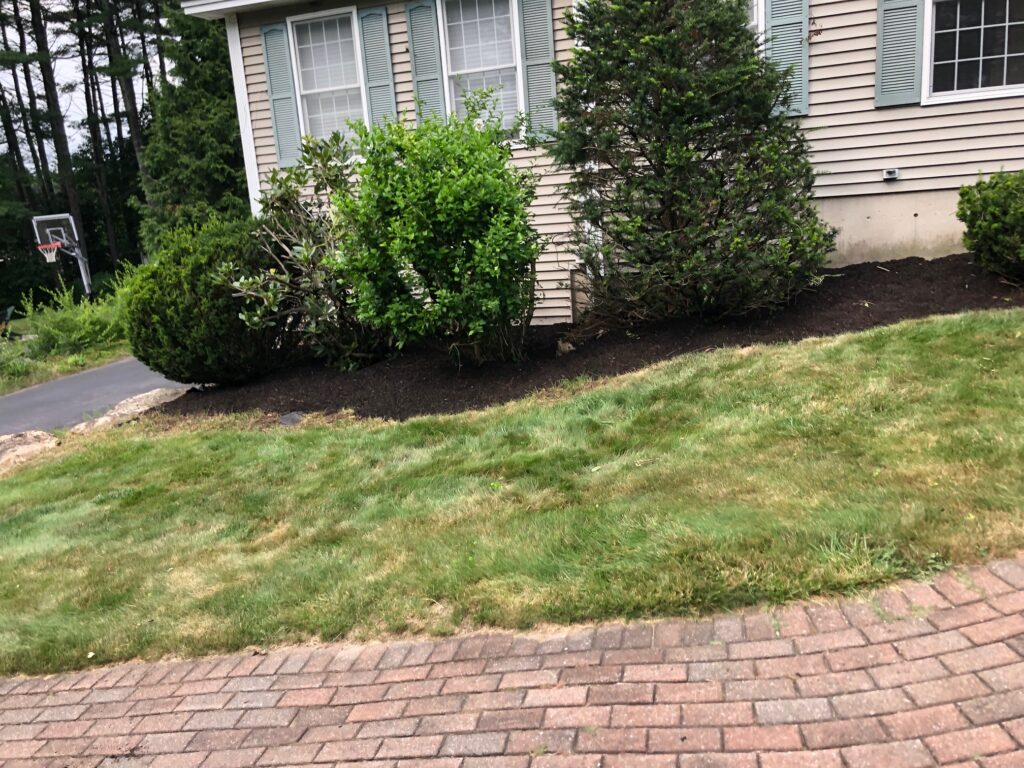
column 49, row 251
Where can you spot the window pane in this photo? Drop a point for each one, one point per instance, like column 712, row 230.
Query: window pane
column 970, row 44
column 967, row 74
column 945, row 15
column 945, row 46
column 1016, row 39
column 1015, row 70
column 479, row 34
column 970, row 13
column 327, row 54
column 943, row 77
column 992, row 72
column 995, row 11
column 328, row 112
column 501, row 81
column 1016, row 10
column 994, row 42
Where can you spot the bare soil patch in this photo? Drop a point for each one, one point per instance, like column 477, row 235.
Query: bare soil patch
column 423, row 382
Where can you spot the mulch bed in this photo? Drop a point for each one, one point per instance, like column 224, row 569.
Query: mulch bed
column 852, row 298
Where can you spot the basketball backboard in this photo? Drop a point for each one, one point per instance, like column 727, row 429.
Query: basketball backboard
column 56, row 227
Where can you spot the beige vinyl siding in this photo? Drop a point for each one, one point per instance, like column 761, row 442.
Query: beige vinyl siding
column 550, row 217
column 935, row 147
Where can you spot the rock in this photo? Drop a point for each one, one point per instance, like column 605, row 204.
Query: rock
column 18, row 448
column 292, row 419
column 130, row 409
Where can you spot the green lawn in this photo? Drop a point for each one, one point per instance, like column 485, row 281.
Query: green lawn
column 713, row 481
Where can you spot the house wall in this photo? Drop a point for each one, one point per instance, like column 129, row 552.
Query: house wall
column 550, row 217
column 936, row 148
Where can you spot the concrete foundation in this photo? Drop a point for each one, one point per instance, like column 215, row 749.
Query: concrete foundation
column 895, row 226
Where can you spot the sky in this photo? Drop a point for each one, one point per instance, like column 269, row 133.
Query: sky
column 68, row 70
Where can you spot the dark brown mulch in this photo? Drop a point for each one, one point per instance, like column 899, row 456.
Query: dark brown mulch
column 852, row 298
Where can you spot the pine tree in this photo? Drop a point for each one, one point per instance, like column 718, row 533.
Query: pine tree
column 193, row 150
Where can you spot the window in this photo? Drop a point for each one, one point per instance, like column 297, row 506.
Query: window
column 328, row 73
column 482, row 52
column 977, row 45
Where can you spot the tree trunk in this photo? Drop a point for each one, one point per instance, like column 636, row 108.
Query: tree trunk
column 40, row 155
column 14, row 152
column 14, row 143
column 118, row 61
column 147, row 66
column 158, row 29
column 65, row 171
column 95, row 140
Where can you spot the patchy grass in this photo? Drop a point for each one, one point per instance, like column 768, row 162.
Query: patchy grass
column 19, row 369
column 710, row 482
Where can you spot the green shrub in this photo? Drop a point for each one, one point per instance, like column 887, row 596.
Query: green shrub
column 437, row 239
column 302, row 287
column 65, row 324
column 183, row 320
column 993, row 214
column 690, row 185
column 14, row 361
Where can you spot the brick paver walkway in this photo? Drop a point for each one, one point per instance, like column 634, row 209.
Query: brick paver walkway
column 919, row 675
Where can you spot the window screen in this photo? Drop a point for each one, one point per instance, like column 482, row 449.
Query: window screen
column 329, row 84
column 481, row 52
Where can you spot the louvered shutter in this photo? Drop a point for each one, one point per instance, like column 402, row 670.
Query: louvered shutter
column 380, row 82
column 284, row 113
column 538, row 53
column 787, row 28
column 898, row 52
column 425, row 51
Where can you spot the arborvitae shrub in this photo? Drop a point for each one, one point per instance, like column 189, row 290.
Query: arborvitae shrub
column 690, row 184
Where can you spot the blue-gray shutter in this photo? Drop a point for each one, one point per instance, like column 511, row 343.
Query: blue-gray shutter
column 284, row 113
column 425, row 52
column 898, row 52
column 538, row 53
column 787, row 28
column 380, row 82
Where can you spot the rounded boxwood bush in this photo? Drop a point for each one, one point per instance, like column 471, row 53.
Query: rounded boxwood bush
column 993, row 213
column 437, row 239
column 183, row 317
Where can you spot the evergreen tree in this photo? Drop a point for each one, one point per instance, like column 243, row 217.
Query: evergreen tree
column 193, row 151
column 690, row 184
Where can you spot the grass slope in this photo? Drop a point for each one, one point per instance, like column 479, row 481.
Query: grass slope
column 714, row 481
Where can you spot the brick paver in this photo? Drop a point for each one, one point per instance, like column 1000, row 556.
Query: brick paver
column 916, row 675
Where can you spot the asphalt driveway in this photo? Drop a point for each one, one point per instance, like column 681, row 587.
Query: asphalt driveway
column 73, row 399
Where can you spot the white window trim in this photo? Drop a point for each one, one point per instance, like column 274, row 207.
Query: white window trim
column 357, row 36
column 953, row 97
column 517, row 52
column 252, row 174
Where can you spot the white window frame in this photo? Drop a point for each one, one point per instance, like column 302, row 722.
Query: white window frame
column 759, row 20
column 517, row 52
column 357, row 38
column 953, row 97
